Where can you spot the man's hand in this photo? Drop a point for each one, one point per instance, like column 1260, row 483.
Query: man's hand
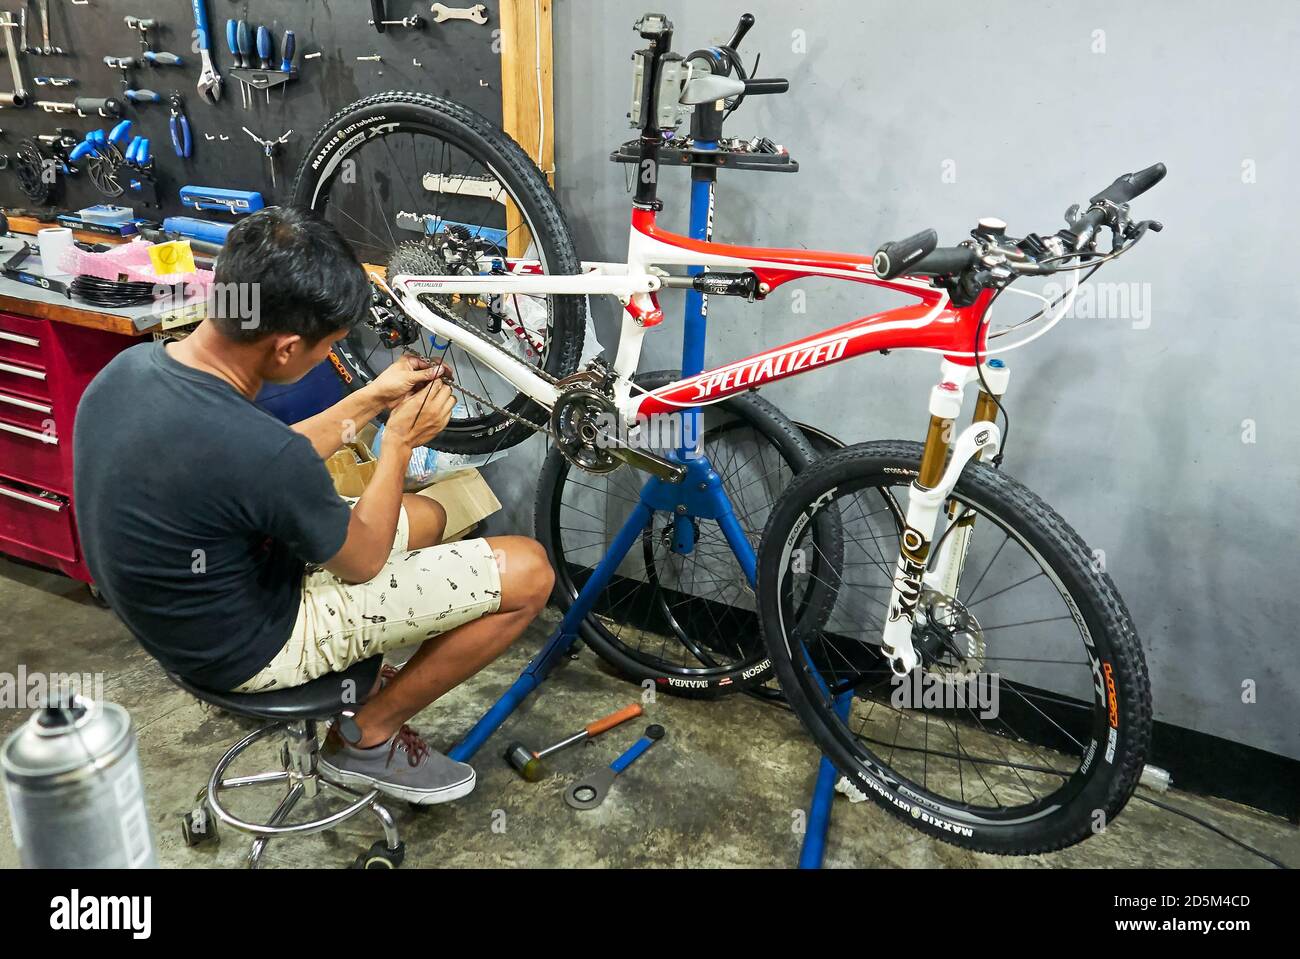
column 421, row 416
column 402, row 378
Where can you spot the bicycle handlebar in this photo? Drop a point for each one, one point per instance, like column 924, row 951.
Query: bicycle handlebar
column 920, row 255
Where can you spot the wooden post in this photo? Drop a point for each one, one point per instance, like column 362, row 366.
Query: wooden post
column 526, row 74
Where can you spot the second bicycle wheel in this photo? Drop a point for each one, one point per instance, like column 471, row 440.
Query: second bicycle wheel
column 685, row 619
column 424, row 186
column 1025, row 727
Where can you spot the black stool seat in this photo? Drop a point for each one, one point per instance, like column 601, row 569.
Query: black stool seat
column 318, row 699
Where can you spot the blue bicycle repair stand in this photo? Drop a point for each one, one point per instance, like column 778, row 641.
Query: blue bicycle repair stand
column 699, row 495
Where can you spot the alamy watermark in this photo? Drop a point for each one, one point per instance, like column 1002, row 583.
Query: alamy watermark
column 1107, row 301
column 923, row 689
column 36, row 690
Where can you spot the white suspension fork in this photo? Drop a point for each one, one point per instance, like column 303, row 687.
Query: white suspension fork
column 945, row 571
column 925, row 500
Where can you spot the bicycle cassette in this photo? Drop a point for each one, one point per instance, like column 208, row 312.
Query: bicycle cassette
column 580, row 422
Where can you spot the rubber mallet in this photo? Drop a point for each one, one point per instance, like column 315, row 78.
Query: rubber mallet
column 529, row 764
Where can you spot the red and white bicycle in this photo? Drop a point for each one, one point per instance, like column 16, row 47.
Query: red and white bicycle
column 948, row 640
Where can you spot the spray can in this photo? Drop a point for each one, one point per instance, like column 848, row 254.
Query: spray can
column 72, row 778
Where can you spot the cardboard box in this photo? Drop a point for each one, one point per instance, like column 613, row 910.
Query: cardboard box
column 466, row 497
column 464, row 494
column 351, row 468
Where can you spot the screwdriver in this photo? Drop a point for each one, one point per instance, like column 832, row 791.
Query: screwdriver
column 245, row 49
column 286, row 54
column 264, row 51
column 232, row 41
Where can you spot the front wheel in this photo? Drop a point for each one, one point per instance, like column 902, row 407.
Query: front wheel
column 1026, row 725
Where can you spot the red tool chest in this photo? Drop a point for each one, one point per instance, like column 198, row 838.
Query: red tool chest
column 45, row 367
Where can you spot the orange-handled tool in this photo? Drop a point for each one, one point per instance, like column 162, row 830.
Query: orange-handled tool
column 613, row 719
column 529, row 764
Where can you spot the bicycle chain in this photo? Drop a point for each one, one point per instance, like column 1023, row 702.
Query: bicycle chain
column 513, row 417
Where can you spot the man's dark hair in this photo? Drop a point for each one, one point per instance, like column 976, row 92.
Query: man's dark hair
column 308, row 281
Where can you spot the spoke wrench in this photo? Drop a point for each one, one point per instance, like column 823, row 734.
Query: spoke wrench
column 590, row 792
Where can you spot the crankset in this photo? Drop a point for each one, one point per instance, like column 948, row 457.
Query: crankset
column 585, row 427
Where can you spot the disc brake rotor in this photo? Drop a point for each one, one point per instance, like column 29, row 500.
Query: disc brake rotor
column 949, row 638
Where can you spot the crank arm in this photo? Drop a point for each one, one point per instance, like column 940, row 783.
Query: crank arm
column 650, row 463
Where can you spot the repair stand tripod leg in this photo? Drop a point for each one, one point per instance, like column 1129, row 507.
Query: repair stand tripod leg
column 561, row 640
column 819, row 812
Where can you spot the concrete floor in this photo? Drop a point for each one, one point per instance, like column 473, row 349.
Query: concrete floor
column 727, row 786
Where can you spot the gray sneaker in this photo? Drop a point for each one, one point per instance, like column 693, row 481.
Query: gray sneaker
column 404, row 767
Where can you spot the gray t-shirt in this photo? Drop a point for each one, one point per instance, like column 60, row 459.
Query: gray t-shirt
column 197, row 513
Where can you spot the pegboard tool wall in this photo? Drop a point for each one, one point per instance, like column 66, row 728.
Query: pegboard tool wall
column 456, row 57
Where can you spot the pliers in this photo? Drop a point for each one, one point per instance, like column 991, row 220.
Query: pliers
column 179, row 125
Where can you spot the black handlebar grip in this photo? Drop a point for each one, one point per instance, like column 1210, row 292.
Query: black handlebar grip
column 742, row 28
column 948, row 261
column 893, row 259
column 1132, row 185
column 770, row 85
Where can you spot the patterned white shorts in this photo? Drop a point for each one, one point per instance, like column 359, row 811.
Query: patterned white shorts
column 418, row 594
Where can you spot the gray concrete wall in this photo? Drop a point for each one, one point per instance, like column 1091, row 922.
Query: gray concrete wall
column 1158, row 429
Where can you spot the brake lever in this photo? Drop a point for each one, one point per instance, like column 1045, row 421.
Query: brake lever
column 1138, row 230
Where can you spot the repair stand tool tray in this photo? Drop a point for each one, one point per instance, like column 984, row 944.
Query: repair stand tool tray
column 759, row 153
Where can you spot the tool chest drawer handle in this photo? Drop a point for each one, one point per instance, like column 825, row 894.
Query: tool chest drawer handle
column 26, row 404
column 22, row 371
column 19, row 338
column 34, row 500
column 30, row 434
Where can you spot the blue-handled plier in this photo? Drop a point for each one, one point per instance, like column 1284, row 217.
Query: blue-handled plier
column 180, row 127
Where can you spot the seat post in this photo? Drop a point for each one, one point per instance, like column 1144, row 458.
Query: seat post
column 302, row 751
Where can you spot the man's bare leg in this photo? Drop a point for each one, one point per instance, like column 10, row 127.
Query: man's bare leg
column 427, row 521
column 446, row 661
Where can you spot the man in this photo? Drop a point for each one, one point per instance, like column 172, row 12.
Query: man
column 198, row 513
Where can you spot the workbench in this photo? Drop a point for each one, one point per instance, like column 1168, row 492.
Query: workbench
column 51, row 347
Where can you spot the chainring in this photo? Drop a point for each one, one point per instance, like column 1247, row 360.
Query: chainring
column 29, row 166
column 576, row 424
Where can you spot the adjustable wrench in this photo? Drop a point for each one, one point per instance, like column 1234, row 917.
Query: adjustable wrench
column 209, row 80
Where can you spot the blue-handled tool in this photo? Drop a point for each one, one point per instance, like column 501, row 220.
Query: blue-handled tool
column 160, row 58
column 244, row 39
column 232, row 42
column 264, row 53
column 209, row 80
column 179, row 125
column 286, row 57
column 120, row 134
column 82, row 150
column 286, row 53
column 590, row 792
